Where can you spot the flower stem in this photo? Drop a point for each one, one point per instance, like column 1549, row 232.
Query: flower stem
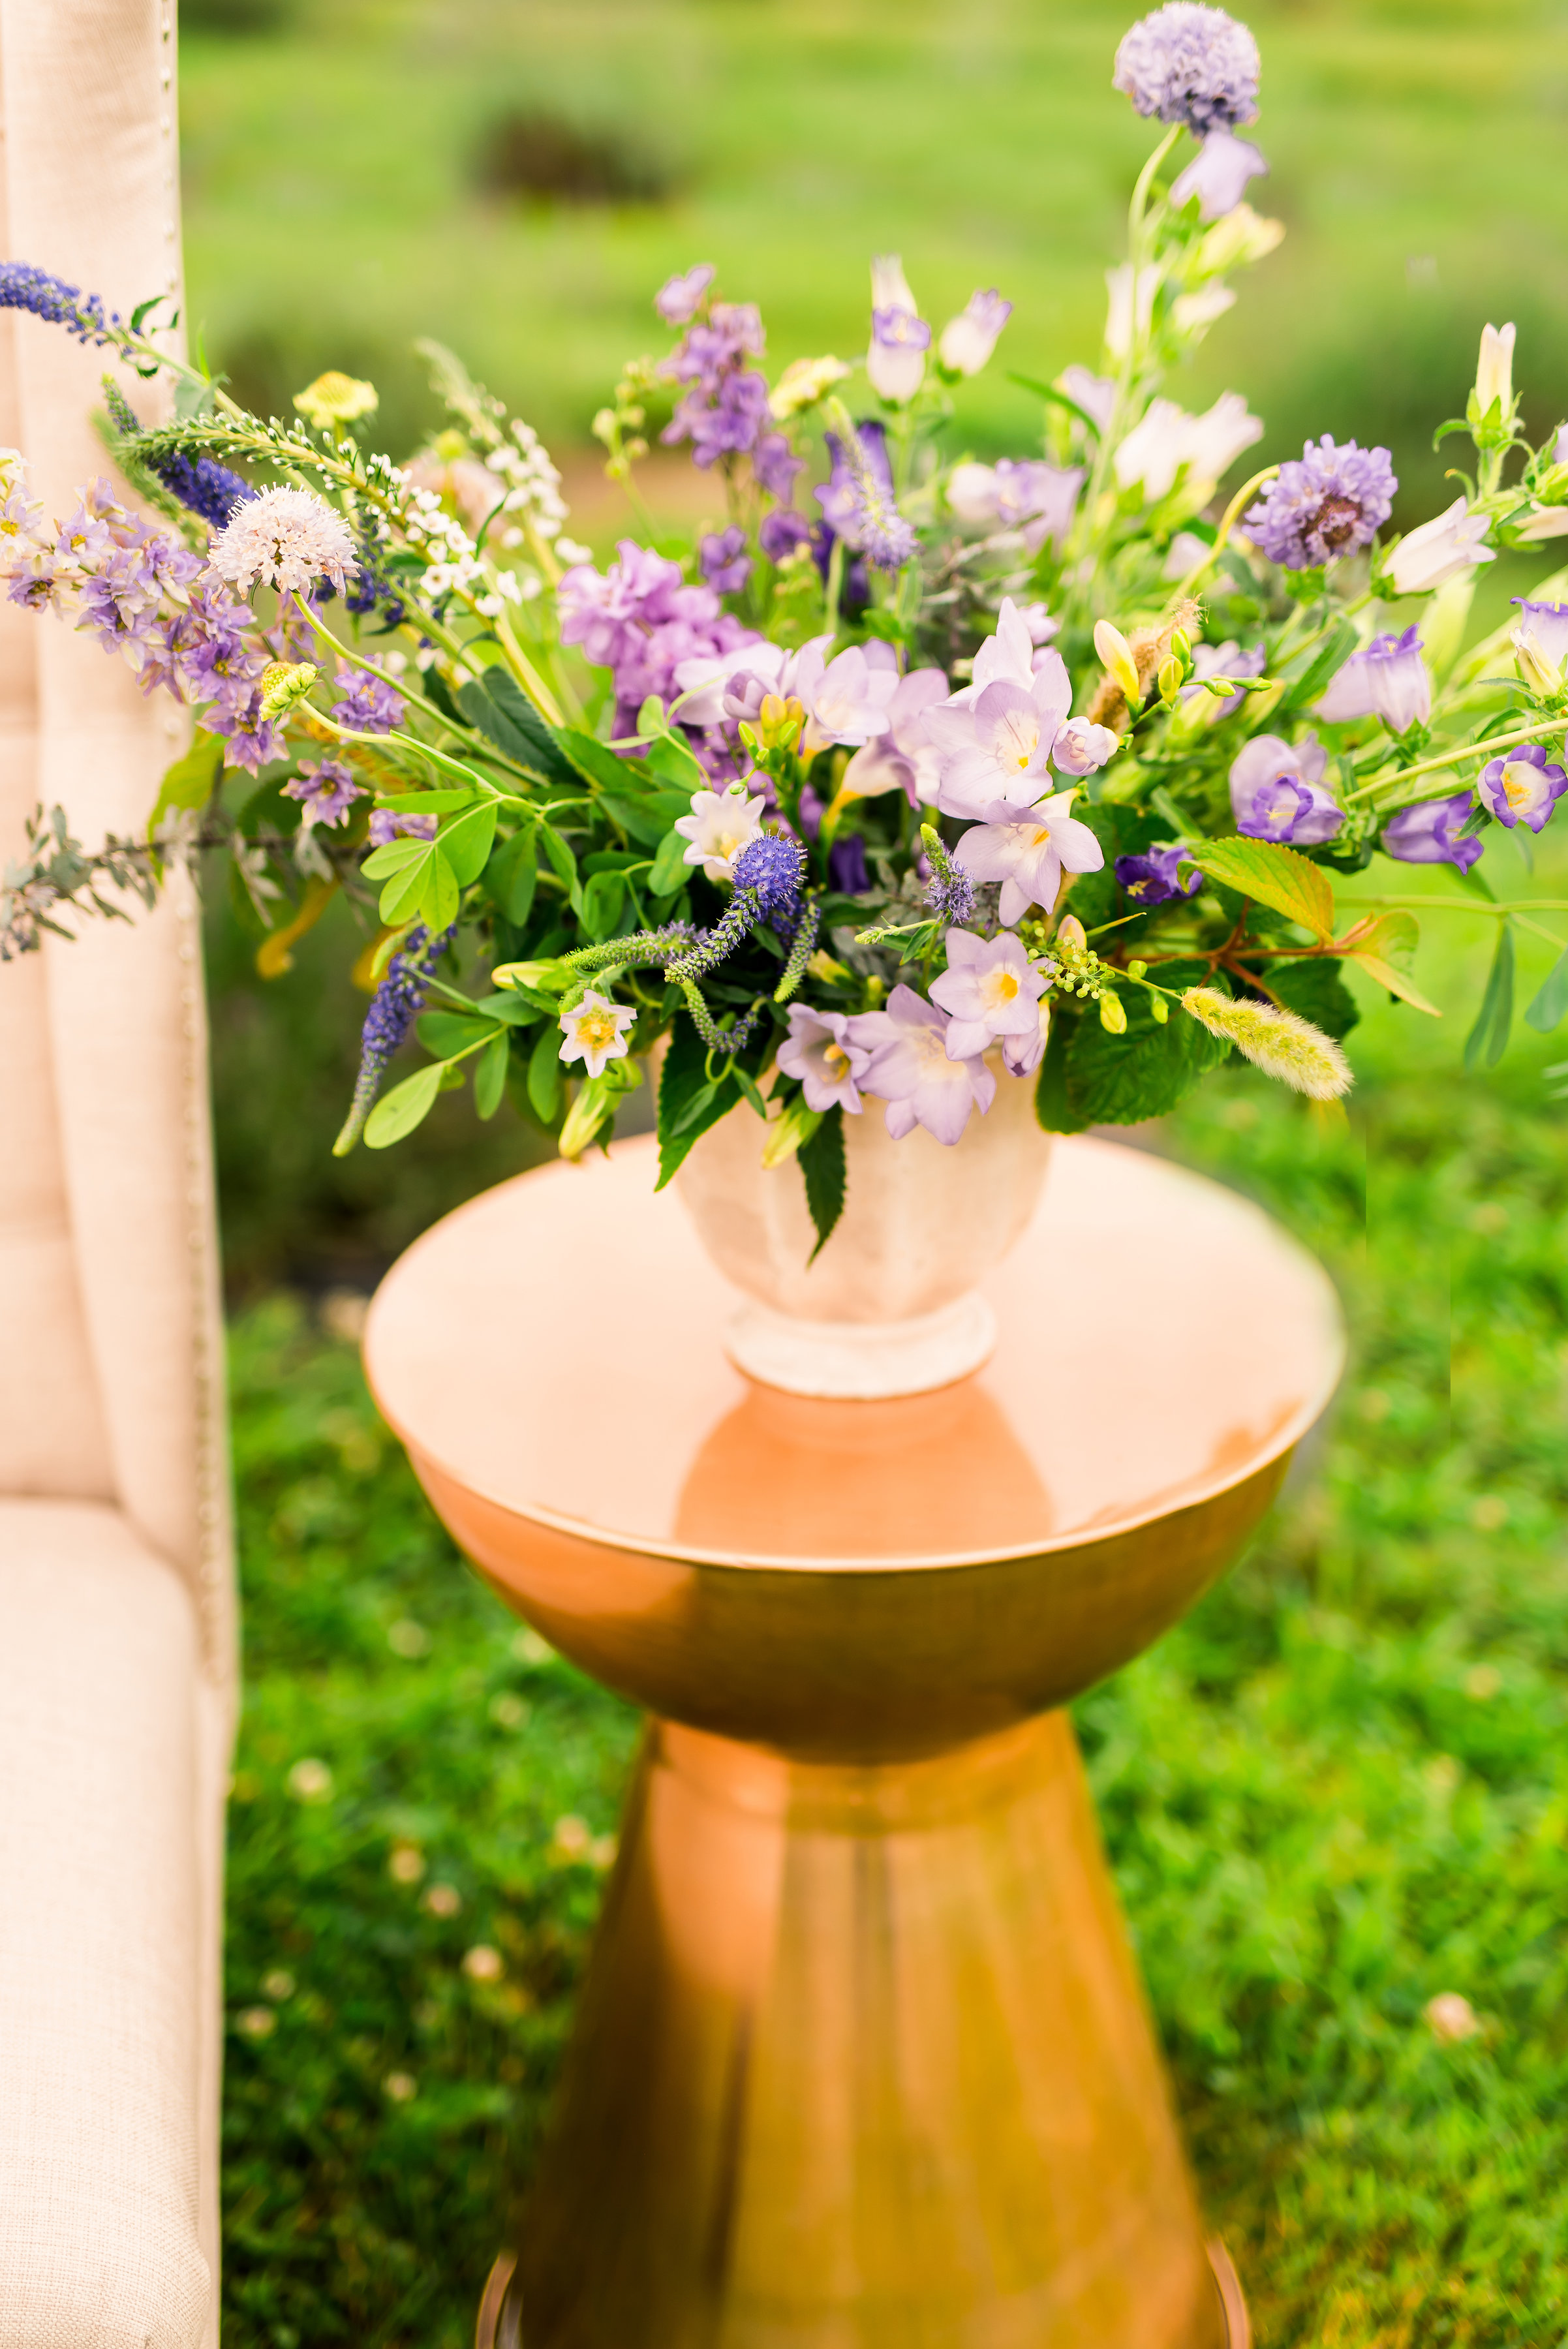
column 1486, row 750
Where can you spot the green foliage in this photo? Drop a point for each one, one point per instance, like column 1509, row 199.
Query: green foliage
column 190, row 781
column 1122, row 1080
column 821, row 1156
column 1546, row 1009
column 497, row 706
column 404, row 1107
column 1271, row 875
column 1315, row 989
column 690, row 1100
column 1488, row 1040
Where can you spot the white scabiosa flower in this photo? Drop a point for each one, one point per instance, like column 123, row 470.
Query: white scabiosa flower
column 1281, row 1043
column 286, row 539
column 593, row 1031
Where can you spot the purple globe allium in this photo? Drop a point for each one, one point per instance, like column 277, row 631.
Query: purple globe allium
column 781, row 532
column 1388, row 679
column 395, row 1006
column 22, row 287
column 772, row 867
column 1523, row 787
column 1192, row 65
column 1325, row 503
column 369, row 704
column 1152, row 878
column 723, row 561
column 1430, row 834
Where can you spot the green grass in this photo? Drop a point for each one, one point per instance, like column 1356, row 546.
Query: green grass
column 1340, row 1789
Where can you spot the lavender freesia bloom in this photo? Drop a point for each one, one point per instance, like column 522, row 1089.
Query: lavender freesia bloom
column 1430, row 834
column 1024, row 495
column 904, row 758
column 1325, row 503
column 723, row 561
column 991, row 989
column 1219, row 173
column 909, row 1069
column 1190, row 64
column 1277, row 793
column 896, row 361
column 1523, row 787
column 1027, row 850
column 1154, row 877
column 997, row 737
column 1542, row 630
column 1388, row 679
column 679, row 298
column 820, row 1053
column 969, row 340
column 1224, row 660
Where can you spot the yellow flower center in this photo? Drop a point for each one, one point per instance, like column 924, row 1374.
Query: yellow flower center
column 1519, row 781
column 597, row 1028
column 837, row 1061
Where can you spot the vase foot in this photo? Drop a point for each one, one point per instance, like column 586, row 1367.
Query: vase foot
column 862, row 1361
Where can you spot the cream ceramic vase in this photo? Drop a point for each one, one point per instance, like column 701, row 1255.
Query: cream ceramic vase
column 891, row 1306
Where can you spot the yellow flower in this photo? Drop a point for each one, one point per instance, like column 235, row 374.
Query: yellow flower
column 335, row 399
column 802, row 385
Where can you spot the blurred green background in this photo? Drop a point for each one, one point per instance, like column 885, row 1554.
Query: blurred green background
column 516, row 177
column 1341, row 1787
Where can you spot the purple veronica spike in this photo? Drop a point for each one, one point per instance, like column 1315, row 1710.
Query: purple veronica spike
column 22, row 287
column 1325, row 503
column 204, row 485
column 772, row 867
column 394, row 1007
column 1190, row 64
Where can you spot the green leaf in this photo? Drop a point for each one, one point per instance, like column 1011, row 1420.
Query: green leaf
column 671, row 756
column 1385, row 950
column 647, row 818
column 465, row 843
column 545, row 1074
column 602, row 901
column 514, row 1009
column 596, row 761
column 444, row 1033
column 689, row 1102
column 403, row 895
column 489, row 1074
column 423, row 802
column 511, row 874
column 1051, row 1108
column 671, row 870
column 1123, row 1079
column 822, row 1163
column 440, row 897
column 1317, row 991
column 394, row 856
column 1328, row 661
column 1549, row 1006
column 1274, row 875
column 190, row 781
column 1488, row 1040
column 405, row 1106
column 497, row 707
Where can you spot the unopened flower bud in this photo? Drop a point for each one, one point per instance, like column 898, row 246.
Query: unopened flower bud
column 1494, row 370
column 1116, row 657
column 1182, row 645
column 1112, row 1015
column 781, row 721
column 283, row 683
column 1541, row 676
column 1159, row 1009
column 1136, row 970
column 1171, row 673
column 1071, row 935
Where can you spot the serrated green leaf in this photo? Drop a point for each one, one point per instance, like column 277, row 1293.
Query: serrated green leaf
column 1123, row 1079
column 1053, row 1110
column 597, row 761
column 689, row 1102
column 496, row 707
column 405, row 1106
column 822, row 1161
column 1488, row 1040
column 1274, row 875
column 490, row 1075
column 466, row 842
column 1547, row 1008
column 545, row 1074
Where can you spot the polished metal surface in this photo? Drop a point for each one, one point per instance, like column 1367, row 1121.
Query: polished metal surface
column 862, row 2061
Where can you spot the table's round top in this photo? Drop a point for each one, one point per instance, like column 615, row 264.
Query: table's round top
column 554, row 1347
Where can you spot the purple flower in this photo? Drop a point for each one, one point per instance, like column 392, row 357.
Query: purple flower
column 969, row 340
column 1224, row 660
column 641, row 620
column 1430, row 834
column 1523, row 787
column 858, row 501
column 1024, row 493
column 386, row 827
column 771, row 867
column 1277, row 793
column 1388, row 679
column 394, row 1007
column 991, row 989
column 1190, row 64
column 820, row 1052
column 1027, row 850
column 896, row 361
column 781, row 532
column 723, row 561
column 369, row 705
column 326, row 789
column 678, row 298
column 847, row 871
column 253, row 741
column 1218, row 174
column 1324, row 503
column 1548, row 627
column 910, row 1071
column 723, row 422
column 22, row 287
column 1152, row 878
column 204, row 485
column 951, row 896
column 775, row 465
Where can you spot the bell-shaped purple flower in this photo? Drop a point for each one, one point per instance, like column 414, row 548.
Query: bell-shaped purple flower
column 1430, row 834
column 1277, row 792
column 1388, row 679
column 1523, row 787
column 1152, row 878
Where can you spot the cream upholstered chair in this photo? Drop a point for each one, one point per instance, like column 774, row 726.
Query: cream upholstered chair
column 116, row 1608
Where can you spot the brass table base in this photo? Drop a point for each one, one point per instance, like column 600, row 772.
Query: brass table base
column 863, row 2062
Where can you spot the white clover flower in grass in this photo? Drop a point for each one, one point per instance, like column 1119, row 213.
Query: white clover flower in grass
column 720, row 825
column 286, row 539
column 1281, row 1043
column 595, row 1031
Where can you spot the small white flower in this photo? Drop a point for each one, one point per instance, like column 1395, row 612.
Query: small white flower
column 1439, row 550
column 286, row 539
column 595, row 1031
column 1494, row 369
column 720, row 825
column 969, row 340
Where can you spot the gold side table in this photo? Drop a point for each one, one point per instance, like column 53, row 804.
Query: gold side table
column 862, row 2060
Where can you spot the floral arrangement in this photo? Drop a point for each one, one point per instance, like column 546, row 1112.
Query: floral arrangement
column 935, row 775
